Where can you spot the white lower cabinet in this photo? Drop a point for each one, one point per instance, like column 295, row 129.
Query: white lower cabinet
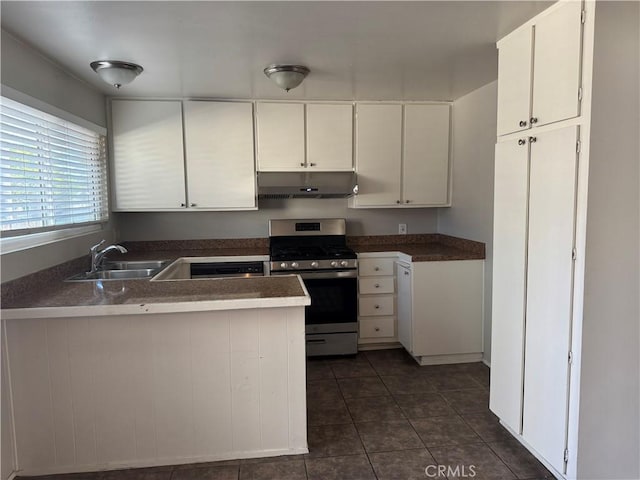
column 376, row 299
column 534, row 224
column 440, row 310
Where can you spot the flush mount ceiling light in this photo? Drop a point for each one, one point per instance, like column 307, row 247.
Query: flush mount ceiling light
column 286, row 76
column 115, row 72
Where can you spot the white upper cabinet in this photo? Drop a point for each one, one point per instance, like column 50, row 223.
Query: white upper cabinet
column 514, row 82
column 219, row 155
column 303, row 137
column 378, row 154
column 425, row 164
column 539, row 70
column 329, row 137
column 280, row 136
column 556, row 72
column 148, row 161
column 402, row 163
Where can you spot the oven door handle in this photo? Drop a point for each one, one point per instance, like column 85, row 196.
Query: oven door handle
column 339, row 274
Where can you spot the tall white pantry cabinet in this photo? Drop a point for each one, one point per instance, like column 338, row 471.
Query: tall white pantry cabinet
column 539, row 215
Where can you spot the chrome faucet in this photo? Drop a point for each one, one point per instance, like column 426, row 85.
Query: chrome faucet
column 97, row 256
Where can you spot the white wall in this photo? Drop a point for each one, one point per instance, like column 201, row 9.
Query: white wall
column 199, row 225
column 28, row 72
column 609, row 422
column 471, row 214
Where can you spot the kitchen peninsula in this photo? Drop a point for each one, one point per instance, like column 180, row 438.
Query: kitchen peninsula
column 114, row 374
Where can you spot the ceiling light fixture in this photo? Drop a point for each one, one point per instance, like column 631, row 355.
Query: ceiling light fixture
column 115, row 72
column 286, row 76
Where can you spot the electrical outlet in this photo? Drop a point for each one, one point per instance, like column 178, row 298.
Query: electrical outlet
column 402, row 228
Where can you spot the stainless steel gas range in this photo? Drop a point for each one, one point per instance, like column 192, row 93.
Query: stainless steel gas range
column 317, row 251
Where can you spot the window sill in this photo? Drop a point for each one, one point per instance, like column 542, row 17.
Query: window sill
column 15, row 244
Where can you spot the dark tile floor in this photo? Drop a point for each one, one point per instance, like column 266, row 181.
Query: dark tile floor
column 379, row 415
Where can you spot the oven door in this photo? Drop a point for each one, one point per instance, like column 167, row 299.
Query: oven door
column 334, row 301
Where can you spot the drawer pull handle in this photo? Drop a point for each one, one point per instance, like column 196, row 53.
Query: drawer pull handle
column 376, row 307
column 377, row 269
column 377, row 329
column 377, row 285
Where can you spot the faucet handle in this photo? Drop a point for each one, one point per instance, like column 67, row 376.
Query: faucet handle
column 97, row 245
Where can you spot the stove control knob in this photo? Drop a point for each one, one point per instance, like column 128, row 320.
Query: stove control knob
column 294, row 265
column 344, row 263
column 334, row 264
column 283, row 265
column 314, row 264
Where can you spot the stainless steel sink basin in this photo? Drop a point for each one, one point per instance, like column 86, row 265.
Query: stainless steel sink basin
column 114, row 275
column 122, row 270
column 135, row 264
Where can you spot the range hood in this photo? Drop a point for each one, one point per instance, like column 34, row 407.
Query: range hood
column 306, row 184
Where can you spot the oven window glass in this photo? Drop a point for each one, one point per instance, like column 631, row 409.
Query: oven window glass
column 333, row 300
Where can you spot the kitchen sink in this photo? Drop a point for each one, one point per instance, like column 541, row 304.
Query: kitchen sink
column 134, row 264
column 122, row 270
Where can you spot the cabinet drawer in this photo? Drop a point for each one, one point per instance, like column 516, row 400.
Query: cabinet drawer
column 376, row 285
column 377, row 327
column 375, row 266
column 378, row 305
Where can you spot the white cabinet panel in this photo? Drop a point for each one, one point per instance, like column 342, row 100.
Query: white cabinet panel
column 514, row 81
column 378, row 154
column 219, row 155
column 377, row 305
column 509, row 259
column 329, row 137
column 405, row 304
column 375, row 285
column 280, row 135
column 375, row 266
column 148, row 157
column 376, row 327
column 556, row 74
column 425, row 164
column 549, row 292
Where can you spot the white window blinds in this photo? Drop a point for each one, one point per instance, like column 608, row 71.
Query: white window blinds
column 53, row 172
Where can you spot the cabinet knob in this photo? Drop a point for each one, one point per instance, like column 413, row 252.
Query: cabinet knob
column 533, row 120
column 377, row 329
column 397, row 201
column 301, row 164
column 533, row 139
column 312, row 164
column 376, row 307
column 183, row 204
column 407, row 201
column 406, row 273
column 377, row 269
column 523, row 123
column 522, row 141
column 193, row 205
column 377, row 285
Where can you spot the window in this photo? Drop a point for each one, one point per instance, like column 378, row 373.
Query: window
column 52, row 172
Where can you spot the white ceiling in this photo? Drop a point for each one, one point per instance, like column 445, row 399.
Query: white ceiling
column 355, row 50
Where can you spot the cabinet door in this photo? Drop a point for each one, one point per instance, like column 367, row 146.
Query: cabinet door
column 403, row 274
column 514, row 81
column 378, row 154
column 280, row 136
column 549, row 292
column 148, row 157
column 509, row 256
column 219, row 155
column 556, row 69
column 329, row 137
column 425, row 167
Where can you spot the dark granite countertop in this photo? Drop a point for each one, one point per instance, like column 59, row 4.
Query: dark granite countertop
column 47, row 290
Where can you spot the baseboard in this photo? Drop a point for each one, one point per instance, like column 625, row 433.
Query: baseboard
column 157, row 463
column 448, row 359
